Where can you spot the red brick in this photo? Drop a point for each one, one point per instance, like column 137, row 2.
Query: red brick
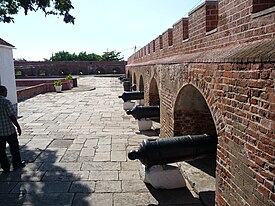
column 264, row 191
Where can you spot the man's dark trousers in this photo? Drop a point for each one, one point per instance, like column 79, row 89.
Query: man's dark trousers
column 14, row 149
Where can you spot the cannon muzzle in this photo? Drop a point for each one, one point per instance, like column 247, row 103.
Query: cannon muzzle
column 135, row 95
column 122, row 77
column 161, row 151
column 140, row 112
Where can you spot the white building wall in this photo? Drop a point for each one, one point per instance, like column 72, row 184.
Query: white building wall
column 7, row 75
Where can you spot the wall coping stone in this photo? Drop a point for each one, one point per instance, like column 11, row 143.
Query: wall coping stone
column 251, row 52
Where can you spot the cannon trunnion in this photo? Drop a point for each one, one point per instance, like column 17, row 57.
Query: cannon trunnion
column 161, row 151
column 141, row 112
column 135, row 95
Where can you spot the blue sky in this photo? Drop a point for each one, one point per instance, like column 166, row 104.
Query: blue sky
column 101, row 25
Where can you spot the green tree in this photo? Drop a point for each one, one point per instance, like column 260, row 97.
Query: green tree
column 111, row 56
column 83, row 56
column 8, row 8
column 20, row 60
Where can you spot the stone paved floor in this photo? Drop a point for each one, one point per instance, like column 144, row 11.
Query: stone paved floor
column 75, row 144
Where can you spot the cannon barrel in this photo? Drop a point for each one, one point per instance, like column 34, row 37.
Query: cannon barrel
column 140, row 112
column 122, row 77
column 161, row 151
column 134, row 95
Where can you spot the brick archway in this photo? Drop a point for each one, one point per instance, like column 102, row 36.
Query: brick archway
column 100, row 70
column 134, row 84
column 141, row 83
column 192, row 114
column 154, row 93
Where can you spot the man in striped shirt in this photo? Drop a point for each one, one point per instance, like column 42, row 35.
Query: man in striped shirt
column 8, row 133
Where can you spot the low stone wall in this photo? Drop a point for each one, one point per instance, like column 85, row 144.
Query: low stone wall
column 40, row 87
column 32, row 91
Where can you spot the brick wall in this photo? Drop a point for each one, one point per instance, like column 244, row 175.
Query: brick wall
column 240, row 99
column 236, row 23
column 69, row 67
column 232, row 68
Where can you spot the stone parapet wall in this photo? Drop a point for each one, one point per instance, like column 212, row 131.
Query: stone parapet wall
column 213, row 25
column 69, row 67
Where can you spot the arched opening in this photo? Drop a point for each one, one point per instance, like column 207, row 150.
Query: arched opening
column 116, row 70
column 42, row 73
column 141, row 84
column 192, row 114
column 128, row 75
column 100, row 70
column 154, row 93
column 134, row 85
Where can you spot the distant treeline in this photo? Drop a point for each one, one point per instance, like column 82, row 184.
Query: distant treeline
column 83, row 56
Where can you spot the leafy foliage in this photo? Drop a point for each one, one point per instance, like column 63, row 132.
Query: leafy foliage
column 21, row 60
column 8, row 8
column 111, row 56
column 83, row 56
column 57, row 82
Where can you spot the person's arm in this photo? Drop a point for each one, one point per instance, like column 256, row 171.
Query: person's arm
column 14, row 121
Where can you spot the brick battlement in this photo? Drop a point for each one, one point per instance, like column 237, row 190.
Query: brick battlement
column 212, row 25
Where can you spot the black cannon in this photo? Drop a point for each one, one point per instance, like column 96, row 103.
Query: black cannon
column 140, row 112
column 134, row 95
column 170, row 150
column 121, row 77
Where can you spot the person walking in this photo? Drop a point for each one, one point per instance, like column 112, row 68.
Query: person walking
column 8, row 133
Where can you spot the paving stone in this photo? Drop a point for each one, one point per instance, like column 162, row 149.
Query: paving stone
column 60, row 143
column 83, row 186
column 79, row 141
column 129, row 175
column 118, row 156
column 137, row 199
column 134, row 186
column 70, row 156
column 6, row 187
column 41, row 187
column 86, row 152
column 105, row 140
column 101, row 166
column 12, row 199
column 102, row 156
column 24, row 175
column 32, row 166
column 66, row 176
column 85, row 159
column 60, row 166
column 118, row 146
column 93, row 199
column 108, row 186
column 91, row 142
column 46, row 199
column 103, row 148
column 48, row 156
column 130, row 165
column 75, row 146
column 103, row 175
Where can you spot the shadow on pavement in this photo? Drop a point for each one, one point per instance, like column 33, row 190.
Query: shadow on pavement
column 173, row 197
column 42, row 182
column 150, row 133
